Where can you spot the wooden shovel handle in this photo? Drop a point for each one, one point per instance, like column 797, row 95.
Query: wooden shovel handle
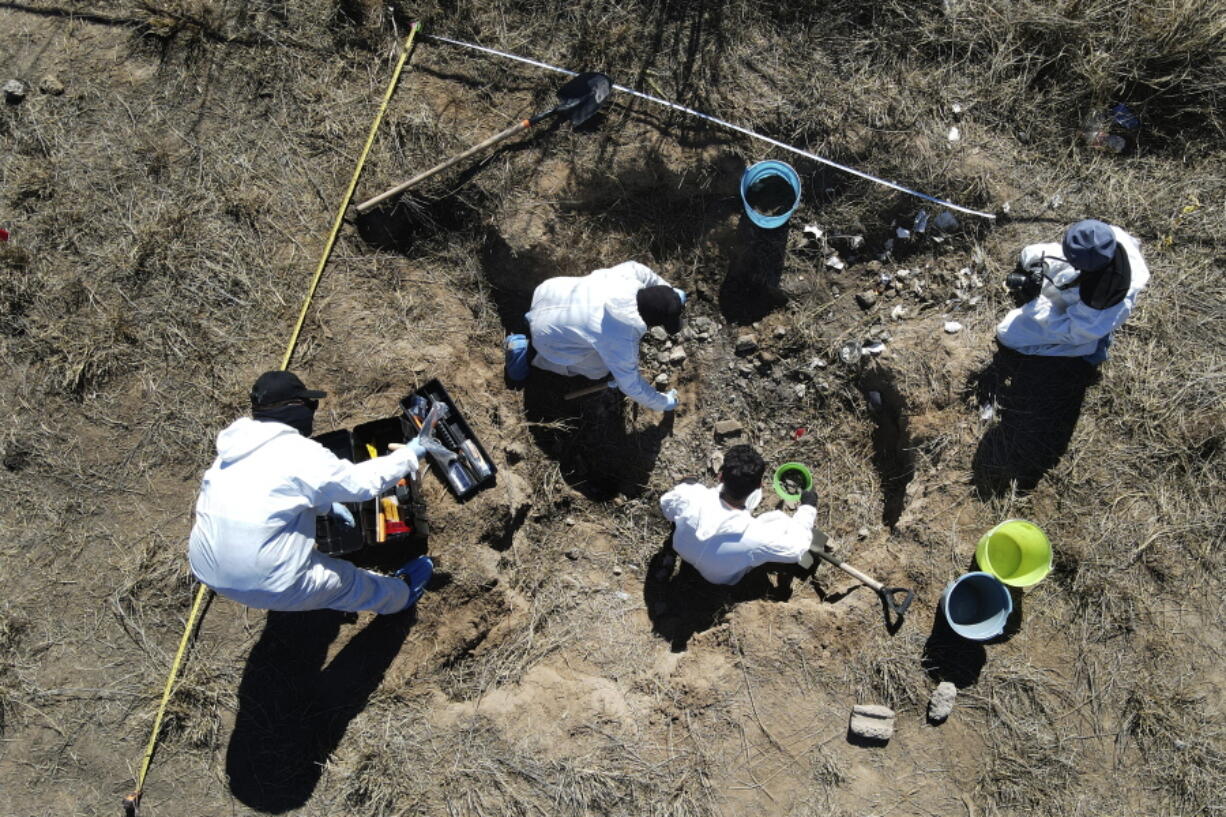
column 601, row 386
column 439, row 168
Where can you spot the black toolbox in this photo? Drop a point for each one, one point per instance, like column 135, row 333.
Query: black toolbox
column 334, row 537
column 473, row 469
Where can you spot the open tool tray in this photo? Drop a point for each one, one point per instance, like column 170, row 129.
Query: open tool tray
column 333, row 536
column 452, row 432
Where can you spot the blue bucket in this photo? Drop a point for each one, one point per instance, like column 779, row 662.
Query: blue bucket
column 759, row 172
column 977, row 605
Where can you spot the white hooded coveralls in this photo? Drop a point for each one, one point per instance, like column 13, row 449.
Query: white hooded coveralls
column 254, row 536
column 724, row 543
column 591, row 326
column 1056, row 322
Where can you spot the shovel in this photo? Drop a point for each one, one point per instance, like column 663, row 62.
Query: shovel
column 887, row 594
column 580, row 98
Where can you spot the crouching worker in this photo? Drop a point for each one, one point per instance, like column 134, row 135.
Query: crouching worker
column 716, row 531
column 1080, row 291
column 254, row 536
column 592, row 326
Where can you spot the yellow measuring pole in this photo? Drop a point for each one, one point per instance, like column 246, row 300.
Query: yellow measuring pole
column 131, row 803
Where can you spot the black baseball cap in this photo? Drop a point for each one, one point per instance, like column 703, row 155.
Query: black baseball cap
column 660, row 306
column 279, row 386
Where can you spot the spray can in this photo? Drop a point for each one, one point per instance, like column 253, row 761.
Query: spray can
column 516, row 357
column 459, row 477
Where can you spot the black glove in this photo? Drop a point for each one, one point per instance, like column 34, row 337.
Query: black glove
column 809, row 498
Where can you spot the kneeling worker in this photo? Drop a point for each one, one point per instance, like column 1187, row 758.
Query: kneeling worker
column 1080, row 291
column 254, row 536
column 716, row 532
column 592, row 326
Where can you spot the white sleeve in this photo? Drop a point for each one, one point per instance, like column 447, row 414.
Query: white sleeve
column 325, row 478
column 641, row 273
column 776, row 537
column 674, row 503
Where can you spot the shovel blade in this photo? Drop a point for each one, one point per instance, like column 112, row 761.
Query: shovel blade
column 583, row 95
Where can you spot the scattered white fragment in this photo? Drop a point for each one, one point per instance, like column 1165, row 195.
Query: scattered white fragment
column 956, row 108
column 1055, row 201
column 813, row 231
column 954, row 134
column 898, row 312
column 834, row 262
column 942, row 701
column 921, row 221
column 623, row 595
column 903, row 233
column 945, row 221
column 874, row 348
column 952, row 327
column 661, row 379
column 987, row 411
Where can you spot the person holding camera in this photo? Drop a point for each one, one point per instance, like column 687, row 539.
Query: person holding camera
column 1077, row 292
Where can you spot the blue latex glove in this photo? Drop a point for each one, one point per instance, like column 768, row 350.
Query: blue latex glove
column 671, row 396
column 613, row 385
column 342, row 513
column 680, row 294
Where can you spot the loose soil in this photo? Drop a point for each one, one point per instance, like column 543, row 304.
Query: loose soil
column 167, row 209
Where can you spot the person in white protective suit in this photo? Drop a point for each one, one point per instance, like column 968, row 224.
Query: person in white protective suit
column 254, row 536
column 1087, row 287
column 592, row 326
column 716, row 531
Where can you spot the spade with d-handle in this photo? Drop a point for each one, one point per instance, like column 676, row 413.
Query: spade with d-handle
column 581, row 97
column 887, row 594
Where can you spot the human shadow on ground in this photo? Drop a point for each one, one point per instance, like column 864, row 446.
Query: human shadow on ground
column 751, row 290
column 681, row 603
column 594, row 440
column 293, row 710
column 1038, row 402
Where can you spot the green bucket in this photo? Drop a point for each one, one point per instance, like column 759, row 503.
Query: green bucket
column 1016, row 551
column 806, row 479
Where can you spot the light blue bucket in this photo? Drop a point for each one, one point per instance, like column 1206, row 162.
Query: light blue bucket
column 977, row 605
column 763, row 170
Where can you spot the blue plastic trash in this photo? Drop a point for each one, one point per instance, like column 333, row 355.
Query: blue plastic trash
column 516, row 352
column 761, row 172
column 977, row 605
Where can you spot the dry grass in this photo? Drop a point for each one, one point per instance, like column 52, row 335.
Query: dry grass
column 166, row 211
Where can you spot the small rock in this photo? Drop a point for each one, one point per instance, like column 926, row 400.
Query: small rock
column 677, row 355
column 780, row 332
column 14, row 91
column 898, row 312
column 746, row 345
column 727, row 428
column 573, row 555
column 658, row 334
column 954, row 134
column 874, row 349
column 862, row 533
column 515, row 452
column 834, row 262
column 50, row 84
column 866, row 299
column 715, row 461
column 872, row 722
column 768, row 358
column 942, row 701
column 952, row 327
column 570, row 521
column 800, row 390
column 945, row 221
column 661, row 379
column 617, row 571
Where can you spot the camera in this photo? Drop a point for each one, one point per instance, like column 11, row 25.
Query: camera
column 1024, row 282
